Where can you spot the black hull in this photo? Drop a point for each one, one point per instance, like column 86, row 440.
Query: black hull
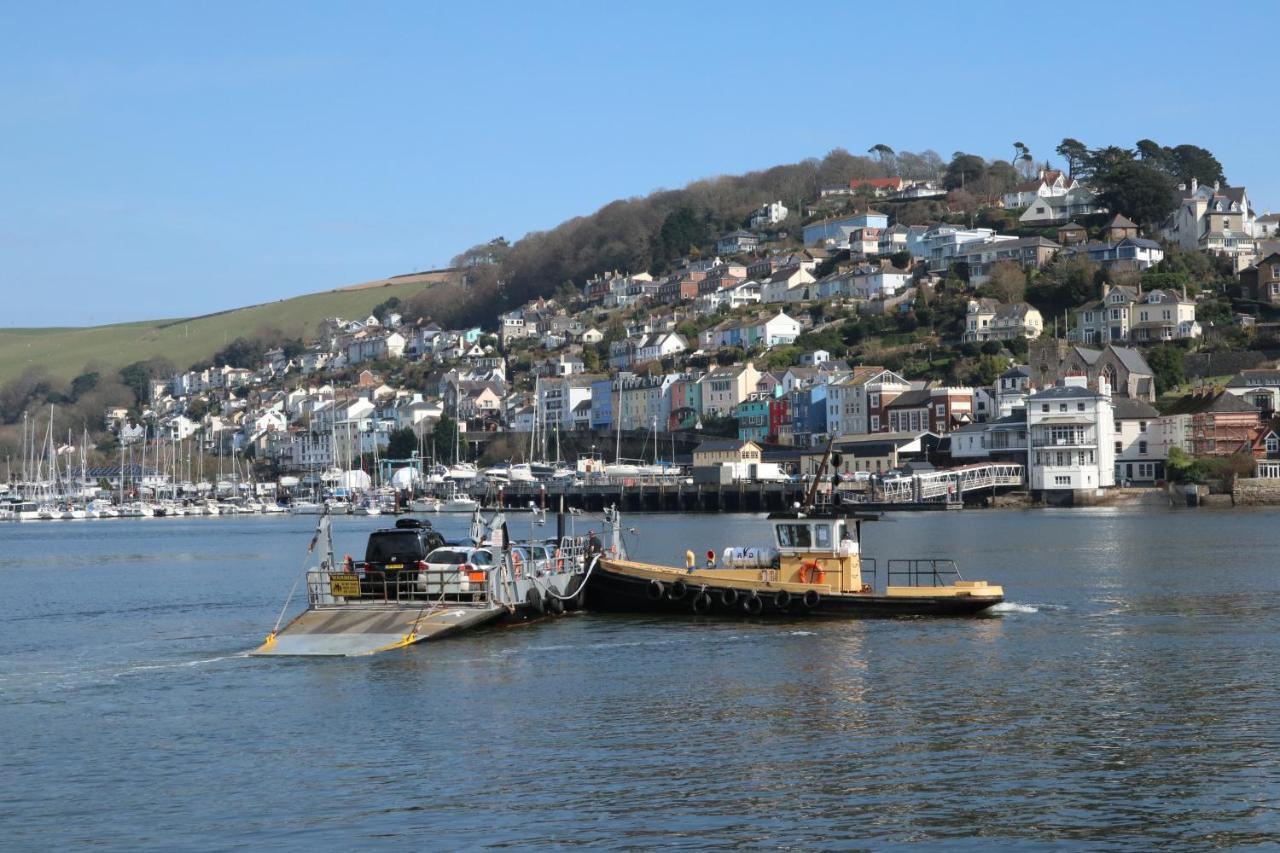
column 612, row 591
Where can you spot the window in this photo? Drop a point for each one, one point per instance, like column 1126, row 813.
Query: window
column 1272, row 443
column 1044, row 407
column 1142, row 447
column 1062, row 481
column 1079, row 407
column 822, row 535
column 875, row 423
column 1119, row 448
column 942, row 410
column 1142, row 426
column 1062, row 407
column 794, row 536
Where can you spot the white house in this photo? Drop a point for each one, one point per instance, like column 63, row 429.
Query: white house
column 1139, row 453
column 1050, row 183
column 781, row 283
column 768, row 214
column 878, row 282
column 1071, row 453
column 1214, row 219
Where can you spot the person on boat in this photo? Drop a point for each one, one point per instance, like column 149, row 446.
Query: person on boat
column 593, row 543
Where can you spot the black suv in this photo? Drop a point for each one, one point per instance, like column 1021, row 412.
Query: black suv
column 397, row 549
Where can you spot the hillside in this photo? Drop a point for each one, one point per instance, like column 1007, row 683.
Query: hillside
column 64, row 352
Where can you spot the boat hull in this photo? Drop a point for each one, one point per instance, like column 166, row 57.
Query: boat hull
column 611, row 587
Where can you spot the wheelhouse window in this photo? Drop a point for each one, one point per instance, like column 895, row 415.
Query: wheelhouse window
column 794, row 536
column 822, row 535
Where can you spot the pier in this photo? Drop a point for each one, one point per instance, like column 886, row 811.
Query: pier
column 935, row 490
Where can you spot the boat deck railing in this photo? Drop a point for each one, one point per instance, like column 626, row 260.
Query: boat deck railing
column 416, row 586
column 921, row 572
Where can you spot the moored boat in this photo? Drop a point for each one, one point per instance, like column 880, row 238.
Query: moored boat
column 812, row 566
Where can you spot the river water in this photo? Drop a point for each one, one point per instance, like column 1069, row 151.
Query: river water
column 1128, row 696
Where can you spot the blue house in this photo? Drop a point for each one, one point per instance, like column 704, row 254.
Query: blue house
column 602, row 404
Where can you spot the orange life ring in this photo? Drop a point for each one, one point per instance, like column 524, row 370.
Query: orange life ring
column 811, row 571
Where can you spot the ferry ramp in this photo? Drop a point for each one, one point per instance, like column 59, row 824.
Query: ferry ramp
column 353, row 631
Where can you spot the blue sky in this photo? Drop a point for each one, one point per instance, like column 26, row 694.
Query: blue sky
column 162, row 160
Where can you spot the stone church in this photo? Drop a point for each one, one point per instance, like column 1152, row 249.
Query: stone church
column 1126, row 371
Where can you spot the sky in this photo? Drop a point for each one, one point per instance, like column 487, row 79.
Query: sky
column 174, row 159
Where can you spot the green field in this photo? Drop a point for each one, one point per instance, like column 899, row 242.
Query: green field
column 64, row 352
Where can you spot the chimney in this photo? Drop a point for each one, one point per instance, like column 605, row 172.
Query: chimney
column 1195, row 185
column 1216, row 185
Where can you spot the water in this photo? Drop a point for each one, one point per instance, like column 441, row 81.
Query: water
column 1127, row 696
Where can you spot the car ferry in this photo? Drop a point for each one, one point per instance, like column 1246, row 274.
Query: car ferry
column 414, row 586
column 812, row 566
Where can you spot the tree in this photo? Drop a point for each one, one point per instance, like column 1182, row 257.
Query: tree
column 401, row 444
column 1139, row 191
column 964, row 169
column 1064, row 284
column 1076, row 155
column 444, row 437
column 1192, row 161
column 1008, row 282
column 1166, row 361
column 901, row 259
column 883, row 153
column 84, row 383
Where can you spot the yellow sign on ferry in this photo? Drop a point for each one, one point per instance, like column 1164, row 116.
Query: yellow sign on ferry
column 343, row 585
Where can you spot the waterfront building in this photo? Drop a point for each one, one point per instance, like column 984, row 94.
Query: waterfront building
column 1071, row 452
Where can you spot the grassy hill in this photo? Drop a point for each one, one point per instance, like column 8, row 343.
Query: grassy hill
column 64, row 352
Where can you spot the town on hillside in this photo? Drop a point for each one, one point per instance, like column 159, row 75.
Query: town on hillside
column 1034, row 327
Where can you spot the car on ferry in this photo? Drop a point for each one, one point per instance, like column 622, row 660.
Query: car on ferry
column 402, row 548
column 454, row 569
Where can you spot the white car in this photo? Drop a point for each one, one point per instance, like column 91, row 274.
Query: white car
column 455, row 570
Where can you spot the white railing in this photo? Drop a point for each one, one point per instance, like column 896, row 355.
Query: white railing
column 950, row 484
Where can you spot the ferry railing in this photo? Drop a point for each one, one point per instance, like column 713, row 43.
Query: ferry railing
column 863, row 564
column 451, row 586
column 921, row 572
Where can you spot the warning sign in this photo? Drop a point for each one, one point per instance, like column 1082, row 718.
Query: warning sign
column 344, row 585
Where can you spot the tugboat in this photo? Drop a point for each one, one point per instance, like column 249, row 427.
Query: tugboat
column 413, row 586
column 812, row 566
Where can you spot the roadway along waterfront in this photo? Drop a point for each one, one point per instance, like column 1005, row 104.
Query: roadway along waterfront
column 1128, row 696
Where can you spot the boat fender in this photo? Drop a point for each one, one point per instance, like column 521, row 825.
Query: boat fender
column 811, row 598
column 702, row 603
column 753, row 604
column 782, row 598
column 678, row 590
column 534, row 600
column 655, row 590
column 578, row 598
column 729, row 597
column 555, row 605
